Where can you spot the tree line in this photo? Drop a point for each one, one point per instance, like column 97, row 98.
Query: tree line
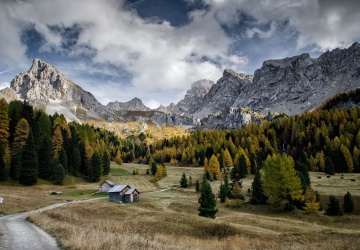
column 36, row 145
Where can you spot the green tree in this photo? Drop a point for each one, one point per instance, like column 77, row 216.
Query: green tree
column 3, row 170
column 29, row 167
column 334, row 208
column 281, row 183
column 224, row 189
column 207, row 201
column 348, row 203
column 46, row 166
column 329, row 166
column 63, row 159
column 153, row 168
column 183, row 181
column 95, row 170
column 190, row 181
column 243, row 170
column 197, row 186
column 59, row 174
column 106, row 163
column 258, row 196
column 4, row 140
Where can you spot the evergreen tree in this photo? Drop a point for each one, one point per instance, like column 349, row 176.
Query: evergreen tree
column 243, row 170
column 16, row 162
column 280, row 182
column 258, row 196
column 235, row 175
column 59, row 174
column 4, row 139
column 236, row 191
column 183, row 181
column 224, row 189
column 95, row 170
column 46, row 166
column 348, row 203
column 153, row 168
column 63, row 159
column 303, row 170
column 75, row 162
column 197, row 186
column 207, row 201
column 29, row 167
column 329, row 166
column 334, row 208
column 106, row 163
column 190, row 181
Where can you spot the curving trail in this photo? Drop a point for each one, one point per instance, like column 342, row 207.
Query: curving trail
column 17, row 233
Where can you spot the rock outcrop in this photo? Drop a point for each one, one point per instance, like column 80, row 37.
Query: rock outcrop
column 133, row 105
column 291, row 85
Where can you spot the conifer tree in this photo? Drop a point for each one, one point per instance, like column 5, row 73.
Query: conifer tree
column 59, row 174
column 46, row 167
column 334, row 208
column 329, row 166
column 243, row 171
column 214, row 167
column 57, row 141
column 95, row 169
column 348, row 203
column 106, row 163
column 197, row 186
column 207, row 201
column 21, row 134
column 29, row 167
column 348, row 159
column 258, row 196
column 190, row 181
column 311, row 204
column 153, row 168
column 236, row 191
column 224, row 189
column 16, row 162
column 280, row 182
column 183, row 181
column 4, row 139
column 63, row 159
column 227, row 161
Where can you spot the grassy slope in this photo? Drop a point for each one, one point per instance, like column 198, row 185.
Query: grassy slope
column 168, row 219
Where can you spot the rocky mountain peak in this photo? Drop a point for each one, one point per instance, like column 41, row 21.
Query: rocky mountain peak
column 229, row 73
column 134, row 104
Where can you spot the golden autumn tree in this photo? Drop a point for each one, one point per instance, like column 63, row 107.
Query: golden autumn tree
column 57, row 142
column 214, row 167
column 227, row 160
column 311, row 204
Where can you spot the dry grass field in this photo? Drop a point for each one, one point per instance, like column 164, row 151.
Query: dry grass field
column 168, row 218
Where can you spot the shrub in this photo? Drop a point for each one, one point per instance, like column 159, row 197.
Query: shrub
column 348, row 203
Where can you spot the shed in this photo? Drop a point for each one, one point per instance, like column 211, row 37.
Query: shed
column 117, row 193
column 105, row 186
column 132, row 195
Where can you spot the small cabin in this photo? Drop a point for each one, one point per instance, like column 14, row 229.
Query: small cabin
column 117, row 193
column 132, row 195
column 105, row 186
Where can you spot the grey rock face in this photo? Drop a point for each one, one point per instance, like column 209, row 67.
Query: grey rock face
column 133, row 105
column 291, row 85
column 8, row 94
column 194, row 97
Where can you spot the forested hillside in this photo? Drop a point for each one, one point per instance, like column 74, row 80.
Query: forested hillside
column 35, row 145
column 322, row 140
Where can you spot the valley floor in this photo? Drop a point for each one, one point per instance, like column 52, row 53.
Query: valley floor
column 167, row 218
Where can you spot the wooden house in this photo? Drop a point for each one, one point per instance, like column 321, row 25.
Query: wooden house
column 117, row 193
column 105, row 186
column 132, row 195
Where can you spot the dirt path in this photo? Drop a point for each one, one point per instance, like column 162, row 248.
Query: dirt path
column 17, row 233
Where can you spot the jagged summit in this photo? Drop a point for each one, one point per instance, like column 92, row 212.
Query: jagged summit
column 134, row 104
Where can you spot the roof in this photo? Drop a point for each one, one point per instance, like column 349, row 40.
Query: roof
column 109, row 182
column 131, row 190
column 118, row 188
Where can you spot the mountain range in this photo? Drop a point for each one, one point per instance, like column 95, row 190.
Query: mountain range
column 291, row 85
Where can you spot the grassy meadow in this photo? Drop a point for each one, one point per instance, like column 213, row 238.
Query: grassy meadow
column 166, row 216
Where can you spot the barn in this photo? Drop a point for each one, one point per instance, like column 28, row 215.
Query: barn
column 105, row 186
column 117, row 193
column 132, row 195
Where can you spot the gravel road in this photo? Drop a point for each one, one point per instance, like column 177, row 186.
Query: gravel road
column 17, row 233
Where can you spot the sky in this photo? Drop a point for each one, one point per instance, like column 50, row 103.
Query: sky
column 155, row 49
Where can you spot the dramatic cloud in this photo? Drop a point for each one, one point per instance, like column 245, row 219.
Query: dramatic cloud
column 109, row 44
